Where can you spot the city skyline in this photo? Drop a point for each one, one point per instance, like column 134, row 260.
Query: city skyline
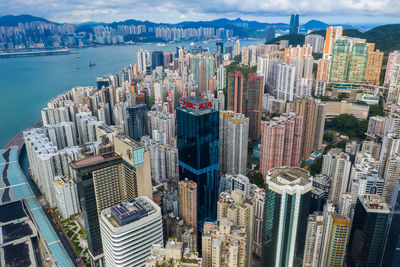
column 79, row 11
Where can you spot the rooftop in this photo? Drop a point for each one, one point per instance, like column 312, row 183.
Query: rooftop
column 90, row 161
column 129, row 212
column 127, row 140
column 374, row 203
column 289, row 176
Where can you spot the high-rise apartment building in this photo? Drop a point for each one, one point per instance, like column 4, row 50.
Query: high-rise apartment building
column 349, row 60
column 129, row 230
column 233, row 142
column 233, row 205
column 245, row 96
column 332, row 34
column 136, row 121
column 367, row 238
column 281, row 140
column 198, row 148
column 335, row 238
column 285, row 81
column 313, row 112
column 316, row 41
column 313, row 244
column 393, row 60
column 224, row 244
column 287, row 197
column 294, row 24
column 323, row 69
column 67, row 196
column 187, row 192
column 336, row 164
column 374, row 67
column 258, row 203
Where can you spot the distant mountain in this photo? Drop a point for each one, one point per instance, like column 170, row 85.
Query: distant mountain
column 315, row 25
column 12, row 21
column 386, row 37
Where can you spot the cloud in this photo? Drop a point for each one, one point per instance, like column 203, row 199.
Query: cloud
column 176, row 10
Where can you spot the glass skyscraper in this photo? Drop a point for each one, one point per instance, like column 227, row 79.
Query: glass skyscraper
column 368, row 232
column 294, row 24
column 198, row 147
column 136, row 121
column 287, row 202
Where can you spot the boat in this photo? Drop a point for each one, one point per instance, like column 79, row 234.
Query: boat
column 92, row 64
column 160, row 44
column 192, row 44
column 37, row 52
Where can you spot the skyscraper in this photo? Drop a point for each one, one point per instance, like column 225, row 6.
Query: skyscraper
column 367, row 238
column 129, row 230
column 374, row 67
column 280, row 142
column 98, row 188
column 294, row 24
column 157, row 59
column 287, row 197
column 393, row 60
column 270, row 33
column 233, row 138
column 220, row 47
column 313, row 113
column 285, row 80
column 245, row 96
column 234, row 206
column 188, row 202
column 198, row 147
column 316, row 41
column 136, row 121
column 349, row 60
column 332, row 34
column 335, row 237
column 336, row 164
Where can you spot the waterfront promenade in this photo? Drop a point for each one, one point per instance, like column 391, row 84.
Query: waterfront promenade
column 14, row 186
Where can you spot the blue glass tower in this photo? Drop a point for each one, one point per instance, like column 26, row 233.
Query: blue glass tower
column 136, row 121
column 198, row 146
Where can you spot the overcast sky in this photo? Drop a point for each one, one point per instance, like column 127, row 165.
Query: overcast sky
column 329, row 11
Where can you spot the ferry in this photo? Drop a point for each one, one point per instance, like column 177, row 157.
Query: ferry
column 160, row 44
column 31, row 53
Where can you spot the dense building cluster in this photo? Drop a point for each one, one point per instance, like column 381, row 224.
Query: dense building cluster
column 161, row 159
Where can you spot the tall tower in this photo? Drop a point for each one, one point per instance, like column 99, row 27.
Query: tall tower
column 313, row 113
column 294, row 24
column 233, row 138
column 188, row 202
column 198, row 149
column 280, row 142
column 136, row 121
column 367, row 238
column 288, row 193
column 332, row 34
column 128, row 230
column 245, row 96
column 98, row 189
column 336, row 164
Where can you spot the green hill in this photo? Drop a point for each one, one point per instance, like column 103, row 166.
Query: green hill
column 386, row 37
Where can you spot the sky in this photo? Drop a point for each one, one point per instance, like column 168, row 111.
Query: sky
column 172, row 11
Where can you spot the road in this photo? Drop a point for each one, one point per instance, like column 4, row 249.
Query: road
column 64, row 239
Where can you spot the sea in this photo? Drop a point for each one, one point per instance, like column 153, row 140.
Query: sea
column 28, row 83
